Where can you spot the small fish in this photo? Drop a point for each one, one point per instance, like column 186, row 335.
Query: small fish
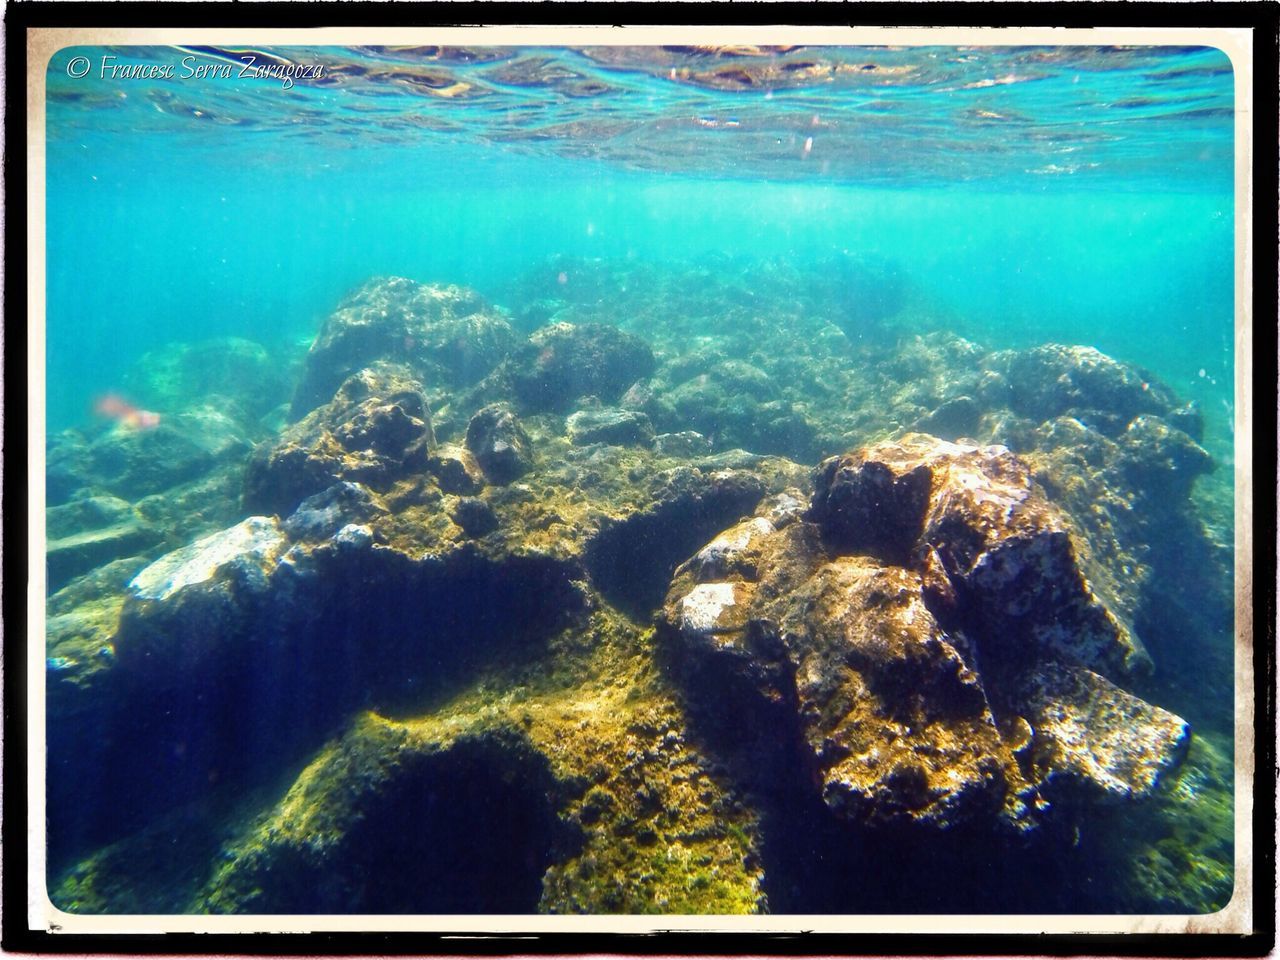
column 114, row 407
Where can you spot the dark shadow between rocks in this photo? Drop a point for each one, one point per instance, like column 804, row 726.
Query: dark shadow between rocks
column 468, row 830
column 631, row 561
column 388, row 633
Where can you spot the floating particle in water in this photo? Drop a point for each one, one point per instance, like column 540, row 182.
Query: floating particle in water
column 808, row 146
column 562, row 278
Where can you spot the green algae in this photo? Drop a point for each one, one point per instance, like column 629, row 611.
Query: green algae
column 658, row 833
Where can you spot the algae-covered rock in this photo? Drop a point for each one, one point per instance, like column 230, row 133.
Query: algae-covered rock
column 474, row 516
column 483, row 810
column 499, row 443
column 88, row 533
column 562, row 362
column 375, row 430
column 1100, row 735
column 686, row 443
column 455, row 469
column 573, row 792
column 926, row 687
column 423, row 677
column 739, row 405
column 182, row 375
column 1053, row 380
column 609, row 425
column 999, row 542
column 447, row 336
column 132, row 463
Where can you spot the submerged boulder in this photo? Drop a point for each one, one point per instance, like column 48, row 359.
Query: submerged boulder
column 610, row 425
column 942, row 674
column 181, row 375
column 973, row 514
column 739, row 405
column 447, row 336
column 499, row 443
column 375, row 430
column 562, row 363
column 1055, row 380
column 88, row 533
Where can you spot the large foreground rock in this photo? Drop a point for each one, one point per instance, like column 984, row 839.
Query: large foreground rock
column 940, row 669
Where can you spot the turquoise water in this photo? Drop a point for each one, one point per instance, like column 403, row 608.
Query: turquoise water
column 1104, row 218
column 1016, row 197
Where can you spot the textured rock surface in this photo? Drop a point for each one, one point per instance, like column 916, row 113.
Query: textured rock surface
column 447, row 336
column 89, row 533
column 1004, row 549
column 375, row 430
column 500, row 444
column 236, row 371
column 561, row 363
column 1055, row 380
column 933, row 675
column 610, row 425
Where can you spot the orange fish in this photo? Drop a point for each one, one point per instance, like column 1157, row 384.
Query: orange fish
column 116, row 408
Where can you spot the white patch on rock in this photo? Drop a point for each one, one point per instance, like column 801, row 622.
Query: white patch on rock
column 354, row 535
column 702, row 606
column 724, row 548
column 256, row 539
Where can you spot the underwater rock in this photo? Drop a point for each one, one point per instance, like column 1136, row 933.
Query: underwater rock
column 738, row 405
column 65, row 467
column 846, row 652
column 903, row 668
column 1099, row 735
column 181, row 375
column 631, row 558
column 561, row 363
column 295, row 625
column 998, row 541
column 1163, row 462
column 1143, row 537
column 483, row 809
column 686, row 443
column 455, row 469
column 91, row 513
column 609, row 425
column 88, row 533
column 498, row 441
column 375, row 430
column 447, row 337
column 322, row 515
column 474, row 516
column 133, row 463
column 199, row 593
column 955, row 418
column 197, row 507
column 80, row 624
column 1056, row 380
